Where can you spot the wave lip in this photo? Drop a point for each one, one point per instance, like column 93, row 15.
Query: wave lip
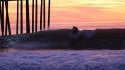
column 59, row 39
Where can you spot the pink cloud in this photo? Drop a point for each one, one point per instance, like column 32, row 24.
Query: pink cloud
column 77, row 14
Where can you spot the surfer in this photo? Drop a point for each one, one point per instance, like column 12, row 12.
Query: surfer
column 74, row 37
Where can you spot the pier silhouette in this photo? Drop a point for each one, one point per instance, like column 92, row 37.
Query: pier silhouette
column 5, row 22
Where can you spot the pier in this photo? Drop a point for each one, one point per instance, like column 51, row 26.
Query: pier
column 30, row 26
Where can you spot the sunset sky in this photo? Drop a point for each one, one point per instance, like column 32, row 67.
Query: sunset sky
column 82, row 12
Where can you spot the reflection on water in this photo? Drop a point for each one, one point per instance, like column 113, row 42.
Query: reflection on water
column 4, row 50
column 11, row 50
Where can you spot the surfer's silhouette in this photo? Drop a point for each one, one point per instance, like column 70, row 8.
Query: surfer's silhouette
column 73, row 36
column 74, row 30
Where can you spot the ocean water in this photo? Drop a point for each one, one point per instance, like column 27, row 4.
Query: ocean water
column 63, row 60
